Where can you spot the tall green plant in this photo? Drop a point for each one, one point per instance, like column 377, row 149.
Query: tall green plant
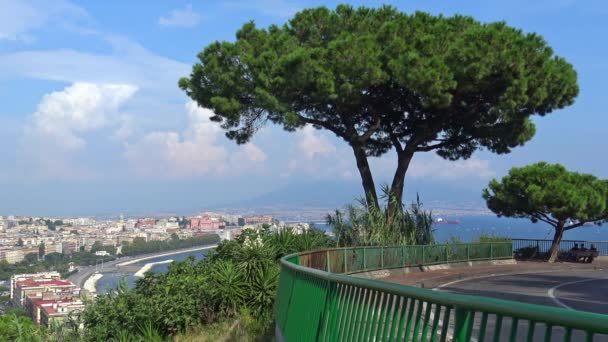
column 16, row 326
column 366, row 225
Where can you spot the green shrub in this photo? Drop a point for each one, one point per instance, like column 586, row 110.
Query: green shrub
column 235, row 282
column 368, row 225
column 491, row 237
column 18, row 327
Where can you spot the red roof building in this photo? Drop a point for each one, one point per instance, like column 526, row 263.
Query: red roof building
column 35, row 288
column 58, row 310
column 34, row 307
column 145, row 223
column 205, row 223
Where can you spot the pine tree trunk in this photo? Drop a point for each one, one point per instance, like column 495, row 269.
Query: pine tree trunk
column 396, row 191
column 367, row 179
column 557, row 238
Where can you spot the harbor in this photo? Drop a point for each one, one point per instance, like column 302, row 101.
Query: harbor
column 96, row 278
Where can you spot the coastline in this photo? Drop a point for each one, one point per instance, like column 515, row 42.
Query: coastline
column 91, row 283
column 85, row 273
column 166, row 253
column 149, row 266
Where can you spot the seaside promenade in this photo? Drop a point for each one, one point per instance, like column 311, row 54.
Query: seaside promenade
column 124, row 264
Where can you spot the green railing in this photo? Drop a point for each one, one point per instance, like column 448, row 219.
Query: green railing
column 314, row 304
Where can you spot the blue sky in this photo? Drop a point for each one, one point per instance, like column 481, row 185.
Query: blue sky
column 92, row 120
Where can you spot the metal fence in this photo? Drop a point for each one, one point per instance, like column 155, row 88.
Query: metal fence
column 362, row 259
column 543, row 246
column 316, row 305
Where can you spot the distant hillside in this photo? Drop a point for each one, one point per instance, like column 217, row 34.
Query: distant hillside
column 333, row 194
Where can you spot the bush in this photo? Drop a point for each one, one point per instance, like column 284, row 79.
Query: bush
column 491, row 237
column 238, row 275
column 527, row 253
column 16, row 326
column 368, row 225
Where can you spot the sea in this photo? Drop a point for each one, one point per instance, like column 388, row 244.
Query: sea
column 469, row 228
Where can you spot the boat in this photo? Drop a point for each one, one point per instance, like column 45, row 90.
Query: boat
column 440, row 220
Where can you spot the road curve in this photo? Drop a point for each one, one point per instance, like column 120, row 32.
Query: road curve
column 585, row 290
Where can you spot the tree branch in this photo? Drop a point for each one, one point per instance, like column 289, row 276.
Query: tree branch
column 605, row 217
column 442, row 144
column 397, row 144
column 553, row 221
column 323, row 124
column 575, row 225
column 544, row 220
column 543, row 217
column 373, row 128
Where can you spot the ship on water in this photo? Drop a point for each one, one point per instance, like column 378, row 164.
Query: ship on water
column 440, row 220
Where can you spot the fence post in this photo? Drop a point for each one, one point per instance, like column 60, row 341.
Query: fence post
column 345, row 260
column 327, row 261
column 446, row 253
column 402, row 256
column 327, row 309
column 382, row 257
column 463, row 324
column 468, row 251
column 364, row 260
column 491, row 251
column 423, row 255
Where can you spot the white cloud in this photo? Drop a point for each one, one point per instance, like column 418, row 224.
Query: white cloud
column 78, row 108
column 312, row 145
column 315, row 155
column 249, row 152
column 125, row 128
column 194, row 152
column 181, row 18
column 55, row 132
column 270, row 8
column 19, row 18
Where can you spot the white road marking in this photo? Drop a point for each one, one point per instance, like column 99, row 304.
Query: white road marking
column 493, row 275
column 551, row 292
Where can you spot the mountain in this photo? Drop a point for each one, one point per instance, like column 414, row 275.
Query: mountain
column 336, row 194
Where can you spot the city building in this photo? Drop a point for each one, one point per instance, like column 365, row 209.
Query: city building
column 231, row 219
column 58, row 311
column 145, row 223
column 206, row 223
column 260, row 219
column 12, row 255
column 230, row 232
column 69, row 247
column 35, row 287
column 33, row 307
column 49, row 247
column 46, row 297
column 21, row 277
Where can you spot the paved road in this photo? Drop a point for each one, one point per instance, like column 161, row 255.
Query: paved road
column 84, row 272
column 585, row 290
